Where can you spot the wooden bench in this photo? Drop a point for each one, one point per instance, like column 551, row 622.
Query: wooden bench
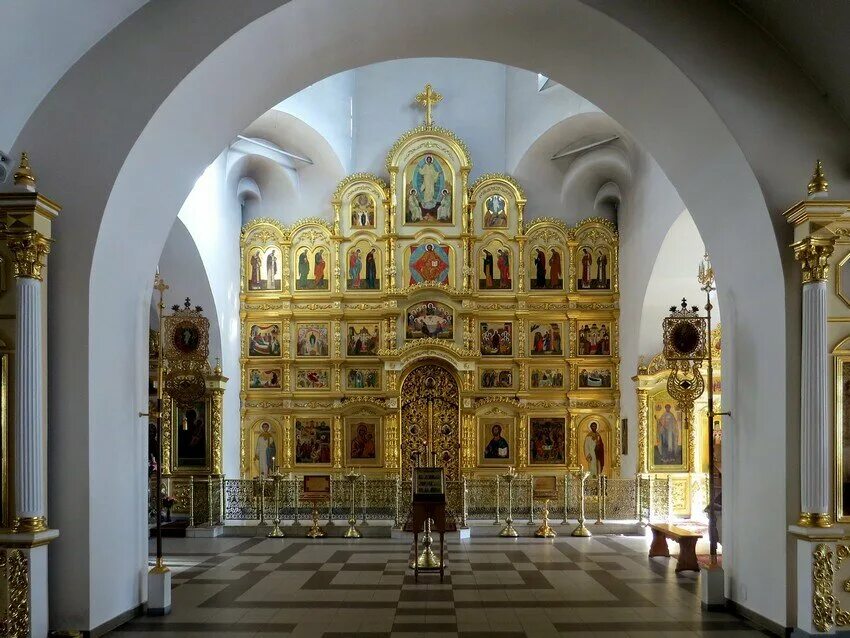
column 687, row 540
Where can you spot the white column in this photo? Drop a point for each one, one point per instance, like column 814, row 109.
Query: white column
column 29, row 421
column 815, row 459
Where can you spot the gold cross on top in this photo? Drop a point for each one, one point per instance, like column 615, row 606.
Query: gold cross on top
column 159, row 284
column 428, row 98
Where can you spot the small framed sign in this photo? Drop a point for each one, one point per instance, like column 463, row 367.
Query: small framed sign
column 316, row 487
column 545, row 487
column 429, row 484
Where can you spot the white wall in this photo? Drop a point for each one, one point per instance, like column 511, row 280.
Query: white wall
column 473, row 106
column 182, row 268
column 674, row 276
column 213, row 217
column 530, row 113
column 649, row 210
column 326, row 106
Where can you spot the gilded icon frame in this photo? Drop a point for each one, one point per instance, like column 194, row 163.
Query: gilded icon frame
column 485, row 435
column 326, row 370
column 564, row 433
column 329, row 421
column 348, row 424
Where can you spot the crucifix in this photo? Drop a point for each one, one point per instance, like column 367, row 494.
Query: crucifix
column 428, row 98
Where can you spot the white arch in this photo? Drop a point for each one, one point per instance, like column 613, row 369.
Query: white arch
column 107, row 198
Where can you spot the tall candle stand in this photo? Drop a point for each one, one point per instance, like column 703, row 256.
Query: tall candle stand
column 276, row 532
column 508, row 530
column 352, row 531
column 262, row 484
column 581, row 531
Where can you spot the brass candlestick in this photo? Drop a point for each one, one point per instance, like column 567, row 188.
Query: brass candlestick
column 315, row 530
column 598, row 500
column 581, row 531
column 508, row 530
column 276, row 531
column 352, row 531
column 544, row 531
column 427, row 559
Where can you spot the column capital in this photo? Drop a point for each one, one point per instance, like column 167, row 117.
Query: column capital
column 29, row 252
column 813, row 254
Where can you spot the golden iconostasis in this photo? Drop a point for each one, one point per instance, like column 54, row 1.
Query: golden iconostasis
column 429, row 317
column 672, row 438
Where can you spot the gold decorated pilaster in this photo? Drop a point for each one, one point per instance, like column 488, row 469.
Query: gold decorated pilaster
column 813, row 254
column 521, row 338
column 288, row 441
column 823, row 600
column 337, row 206
column 285, row 271
column 391, row 442
column 391, row 263
column 15, row 612
column 572, row 444
column 393, row 207
column 392, row 381
column 216, row 383
column 337, row 378
column 643, row 427
column 337, row 447
column 468, row 458
column 217, row 409
column 520, row 274
column 244, row 466
column 523, row 377
column 336, row 330
column 523, row 442
column 29, row 253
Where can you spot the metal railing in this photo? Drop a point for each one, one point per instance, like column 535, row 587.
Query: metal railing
column 214, row 500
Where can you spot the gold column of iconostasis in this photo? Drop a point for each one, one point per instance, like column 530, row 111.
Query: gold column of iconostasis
column 517, row 320
column 193, row 392
column 667, row 447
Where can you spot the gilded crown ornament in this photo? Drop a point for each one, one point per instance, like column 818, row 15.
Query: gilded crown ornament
column 24, row 176
column 818, row 186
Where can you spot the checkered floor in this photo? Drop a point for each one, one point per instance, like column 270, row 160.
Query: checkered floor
column 601, row 586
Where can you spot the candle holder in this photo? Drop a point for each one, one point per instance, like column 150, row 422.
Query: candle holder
column 508, row 530
column 544, row 531
column 276, row 532
column 581, row 531
column 427, row 559
column 352, row 531
column 315, row 530
column 262, row 485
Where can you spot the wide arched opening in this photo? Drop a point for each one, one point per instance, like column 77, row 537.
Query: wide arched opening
column 287, row 49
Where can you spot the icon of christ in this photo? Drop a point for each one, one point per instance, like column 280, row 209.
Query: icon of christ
column 429, row 264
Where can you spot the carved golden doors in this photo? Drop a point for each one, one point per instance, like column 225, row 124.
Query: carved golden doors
column 430, row 420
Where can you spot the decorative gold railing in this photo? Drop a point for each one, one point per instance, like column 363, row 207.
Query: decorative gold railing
column 210, row 500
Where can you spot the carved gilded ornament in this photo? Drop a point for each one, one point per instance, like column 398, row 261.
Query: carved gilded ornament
column 813, row 255
column 360, row 179
column 29, row 253
column 15, row 621
column 823, row 600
